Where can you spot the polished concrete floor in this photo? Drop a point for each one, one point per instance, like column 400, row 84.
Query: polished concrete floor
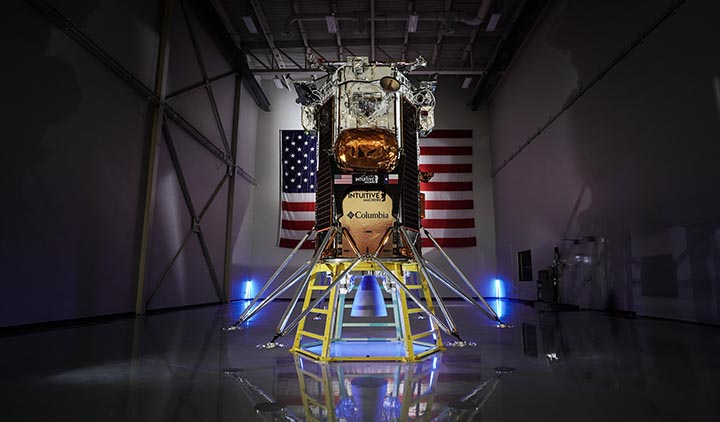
column 180, row 366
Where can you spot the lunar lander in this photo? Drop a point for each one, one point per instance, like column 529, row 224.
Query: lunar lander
column 367, row 223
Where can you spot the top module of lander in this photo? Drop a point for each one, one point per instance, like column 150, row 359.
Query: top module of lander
column 368, row 117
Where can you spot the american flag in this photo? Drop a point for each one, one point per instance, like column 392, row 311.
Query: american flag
column 299, row 168
column 449, row 207
column 449, row 214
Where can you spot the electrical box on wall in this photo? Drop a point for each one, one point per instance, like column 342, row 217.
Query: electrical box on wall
column 525, row 271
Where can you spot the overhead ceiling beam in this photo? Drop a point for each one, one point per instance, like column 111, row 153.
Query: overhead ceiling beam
column 301, row 26
column 338, row 37
column 221, row 29
column 303, row 33
column 355, row 42
column 372, row 31
column 265, row 26
column 482, row 15
column 440, row 33
column 406, row 37
column 422, row 71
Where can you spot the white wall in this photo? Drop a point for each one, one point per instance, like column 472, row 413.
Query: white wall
column 73, row 163
column 632, row 163
column 266, row 256
column 451, row 112
column 478, row 263
column 242, row 256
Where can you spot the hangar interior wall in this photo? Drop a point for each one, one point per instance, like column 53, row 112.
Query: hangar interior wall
column 74, row 159
column 624, row 181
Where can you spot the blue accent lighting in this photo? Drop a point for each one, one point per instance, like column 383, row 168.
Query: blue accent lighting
column 499, row 294
column 247, row 291
column 499, row 291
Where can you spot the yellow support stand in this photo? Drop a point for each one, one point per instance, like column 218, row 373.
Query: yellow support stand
column 333, row 341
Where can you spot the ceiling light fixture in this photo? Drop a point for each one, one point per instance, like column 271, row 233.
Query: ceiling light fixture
column 331, row 24
column 412, row 23
column 249, row 24
column 492, row 23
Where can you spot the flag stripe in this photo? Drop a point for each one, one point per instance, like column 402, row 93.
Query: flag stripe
column 454, row 242
column 449, row 213
column 447, row 168
column 450, row 133
column 449, row 205
column 448, row 196
column 442, row 150
column 448, row 223
column 298, row 215
column 297, row 225
column 292, row 234
column 451, row 232
column 298, row 206
column 291, row 243
column 298, row 197
column 446, row 186
column 445, row 142
column 452, row 177
column 446, row 159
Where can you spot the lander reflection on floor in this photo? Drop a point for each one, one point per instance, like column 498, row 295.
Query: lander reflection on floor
column 361, row 392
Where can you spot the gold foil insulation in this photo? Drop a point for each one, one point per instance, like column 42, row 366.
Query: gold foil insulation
column 369, row 150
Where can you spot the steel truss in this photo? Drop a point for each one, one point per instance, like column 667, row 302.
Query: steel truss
column 162, row 113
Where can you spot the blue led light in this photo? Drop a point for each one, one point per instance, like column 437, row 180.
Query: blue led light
column 247, row 292
column 499, row 295
column 499, row 288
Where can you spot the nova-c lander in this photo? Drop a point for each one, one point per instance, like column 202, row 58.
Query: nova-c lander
column 368, row 216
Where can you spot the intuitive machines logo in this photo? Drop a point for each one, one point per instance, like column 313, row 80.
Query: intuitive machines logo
column 367, row 196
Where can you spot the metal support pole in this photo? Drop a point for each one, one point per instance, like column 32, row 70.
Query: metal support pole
column 322, row 296
column 194, row 229
column 230, row 213
column 313, row 262
column 460, row 274
column 191, row 208
column 152, row 154
column 168, row 267
column 455, row 289
column 276, row 274
column 203, row 72
column 284, row 286
column 294, row 301
column 424, row 272
column 70, row 29
column 407, row 291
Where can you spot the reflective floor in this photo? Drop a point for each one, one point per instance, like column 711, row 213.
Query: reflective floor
column 180, row 366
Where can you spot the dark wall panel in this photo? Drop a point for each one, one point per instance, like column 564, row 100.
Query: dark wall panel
column 71, row 176
column 628, row 173
column 72, row 171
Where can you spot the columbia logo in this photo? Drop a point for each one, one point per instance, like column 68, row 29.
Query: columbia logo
column 351, row 215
